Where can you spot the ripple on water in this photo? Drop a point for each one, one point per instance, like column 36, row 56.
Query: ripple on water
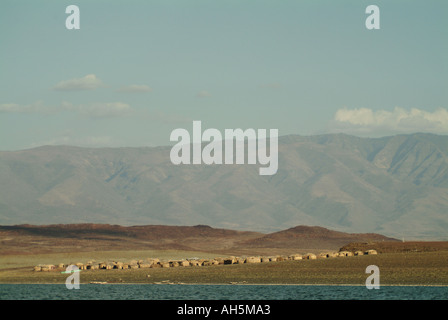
column 217, row 292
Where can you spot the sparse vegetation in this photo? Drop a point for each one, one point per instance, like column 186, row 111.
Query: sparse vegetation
column 412, row 268
column 410, row 263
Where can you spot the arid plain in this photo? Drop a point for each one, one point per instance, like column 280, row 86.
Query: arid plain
column 400, row 263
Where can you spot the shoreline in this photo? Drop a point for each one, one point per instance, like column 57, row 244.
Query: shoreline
column 242, row 284
column 417, row 269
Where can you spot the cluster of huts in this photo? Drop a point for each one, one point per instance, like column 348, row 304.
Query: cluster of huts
column 157, row 263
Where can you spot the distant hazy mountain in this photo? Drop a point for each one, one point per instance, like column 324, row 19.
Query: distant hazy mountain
column 396, row 186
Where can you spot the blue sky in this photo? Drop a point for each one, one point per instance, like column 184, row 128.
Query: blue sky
column 136, row 70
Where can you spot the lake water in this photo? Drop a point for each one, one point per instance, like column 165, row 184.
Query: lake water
column 217, row 292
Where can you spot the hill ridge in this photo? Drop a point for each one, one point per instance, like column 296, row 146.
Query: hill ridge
column 79, row 237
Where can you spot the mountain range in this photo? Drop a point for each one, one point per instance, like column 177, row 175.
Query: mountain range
column 396, row 186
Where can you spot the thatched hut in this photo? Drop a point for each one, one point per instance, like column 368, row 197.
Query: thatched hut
column 230, row 260
column 184, row 263
column 143, row 264
column 371, row 251
column 253, row 260
column 310, row 256
column 174, row 264
column 48, row 267
column 155, row 265
column 240, row 260
column 219, row 260
column 280, row 258
column 206, row 263
column 194, row 263
column 332, row 254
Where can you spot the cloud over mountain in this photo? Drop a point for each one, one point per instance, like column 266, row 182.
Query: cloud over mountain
column 92, row 110
column 399, row 120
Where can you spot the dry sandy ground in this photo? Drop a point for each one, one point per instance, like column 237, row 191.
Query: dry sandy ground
column 409, row 268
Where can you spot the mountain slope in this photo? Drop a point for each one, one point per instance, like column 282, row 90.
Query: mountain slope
column 105, row 237
column 311, row 237
column 397, row 186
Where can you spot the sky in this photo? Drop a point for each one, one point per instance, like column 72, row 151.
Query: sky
column 137, row 70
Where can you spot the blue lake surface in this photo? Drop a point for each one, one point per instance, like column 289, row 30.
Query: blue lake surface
column 217, row 292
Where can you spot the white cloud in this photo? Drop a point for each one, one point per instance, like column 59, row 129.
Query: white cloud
column 37, row 107
column 93, row 110
column 89, row 82
column 135, row 88
column 399, row 120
